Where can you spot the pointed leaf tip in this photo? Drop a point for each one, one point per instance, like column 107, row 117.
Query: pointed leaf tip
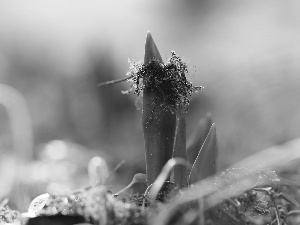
column 151, row 50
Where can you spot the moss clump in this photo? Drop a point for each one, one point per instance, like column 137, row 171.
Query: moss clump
column 8, row 215
column 167, row 79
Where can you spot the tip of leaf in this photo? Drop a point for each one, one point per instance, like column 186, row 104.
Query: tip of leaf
column 151, row 50
column 213, row 128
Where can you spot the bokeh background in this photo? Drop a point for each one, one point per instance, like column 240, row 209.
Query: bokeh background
column 54, row 118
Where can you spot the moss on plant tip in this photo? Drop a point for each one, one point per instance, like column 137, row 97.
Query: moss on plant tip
column 168, row 80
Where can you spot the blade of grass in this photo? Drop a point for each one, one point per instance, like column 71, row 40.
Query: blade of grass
column 116, row 168
column 114, row 81
column 276, row 155
column 179, row 151
column 197, row 138
column 205, row 163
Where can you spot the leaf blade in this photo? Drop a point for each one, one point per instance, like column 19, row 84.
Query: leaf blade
column 196, row 140
column 179, row 150
column 205, row 163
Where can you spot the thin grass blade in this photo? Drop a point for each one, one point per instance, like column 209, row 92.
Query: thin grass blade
column 197, row 138
column 205, row 163
column 179, row 151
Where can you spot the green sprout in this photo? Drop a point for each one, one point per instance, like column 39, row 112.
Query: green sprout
column 165, row 91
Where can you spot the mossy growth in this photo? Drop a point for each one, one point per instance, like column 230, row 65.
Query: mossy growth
column 8, row 215
column 168, row 80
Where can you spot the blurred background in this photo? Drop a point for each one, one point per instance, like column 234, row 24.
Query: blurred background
column 53, row 54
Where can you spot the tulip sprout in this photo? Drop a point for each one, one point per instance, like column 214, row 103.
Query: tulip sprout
column 166, row 93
